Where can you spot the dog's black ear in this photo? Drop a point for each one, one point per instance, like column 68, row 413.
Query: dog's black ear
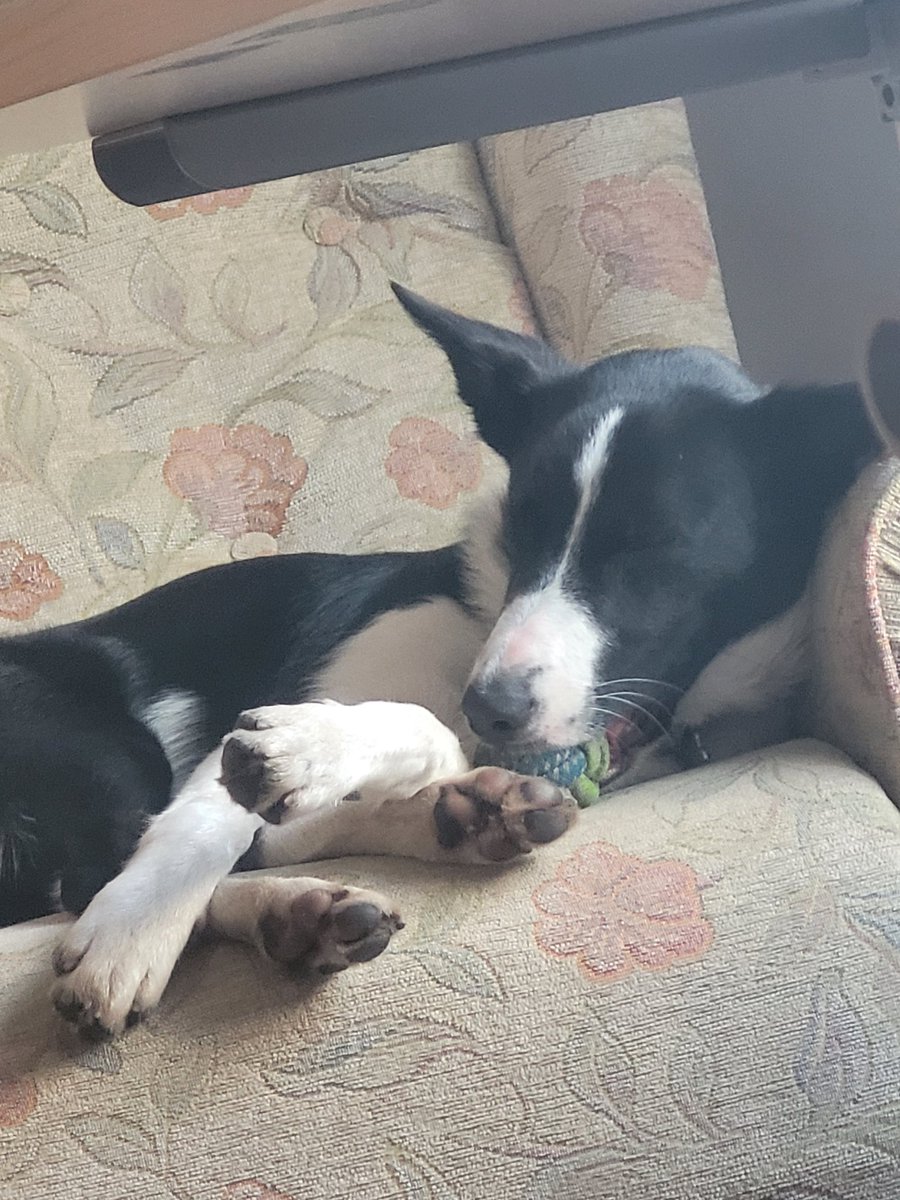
column 498, row 373
column 881, row 385
column 807, row 436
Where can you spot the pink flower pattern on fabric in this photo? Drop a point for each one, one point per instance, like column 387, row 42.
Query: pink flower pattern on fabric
column 614, row 913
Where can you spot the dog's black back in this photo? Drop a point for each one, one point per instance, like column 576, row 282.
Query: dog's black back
column 87, row 742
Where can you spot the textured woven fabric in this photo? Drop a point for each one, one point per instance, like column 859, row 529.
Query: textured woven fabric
column 225, row 376
column 692, row 996
column 608, row 218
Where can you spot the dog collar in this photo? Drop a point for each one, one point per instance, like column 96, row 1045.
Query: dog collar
column 689, row 748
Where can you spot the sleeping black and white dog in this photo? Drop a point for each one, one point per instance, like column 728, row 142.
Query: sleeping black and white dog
column 649, row 556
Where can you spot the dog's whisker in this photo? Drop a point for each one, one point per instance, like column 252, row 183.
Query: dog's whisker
column 663, row 729
column 658, row 716
column 619, row 695
column 660, row 683
column 640, row 708
column 608, row 712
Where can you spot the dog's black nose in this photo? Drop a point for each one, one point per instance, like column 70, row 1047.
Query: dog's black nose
column 499, row 709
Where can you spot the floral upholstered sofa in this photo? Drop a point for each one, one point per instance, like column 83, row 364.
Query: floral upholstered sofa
column 695, row 995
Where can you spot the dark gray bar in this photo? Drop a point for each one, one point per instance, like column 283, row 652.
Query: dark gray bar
column 342, row 123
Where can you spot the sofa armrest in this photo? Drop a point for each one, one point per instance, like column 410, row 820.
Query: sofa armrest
column 855, row 697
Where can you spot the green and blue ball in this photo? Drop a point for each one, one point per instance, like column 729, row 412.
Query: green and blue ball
column 581, row 769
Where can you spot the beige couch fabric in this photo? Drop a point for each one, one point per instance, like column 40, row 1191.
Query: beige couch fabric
column 608, row 219
column 227, row 376
column 692, row 996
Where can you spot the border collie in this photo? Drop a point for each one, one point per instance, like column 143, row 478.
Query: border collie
column 647, row 558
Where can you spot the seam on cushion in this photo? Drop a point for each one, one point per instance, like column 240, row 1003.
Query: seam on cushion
column 508, row 239
column 873, row 599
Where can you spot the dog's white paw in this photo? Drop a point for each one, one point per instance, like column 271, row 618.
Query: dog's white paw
column 110, row 972
column 286, row 757
column 289, row 755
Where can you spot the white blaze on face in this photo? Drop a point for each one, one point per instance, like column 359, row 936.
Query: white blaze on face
column 547, row 634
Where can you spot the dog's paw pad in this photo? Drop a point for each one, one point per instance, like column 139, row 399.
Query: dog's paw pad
column 327, row 929
column 246, row 771
column 500, row 815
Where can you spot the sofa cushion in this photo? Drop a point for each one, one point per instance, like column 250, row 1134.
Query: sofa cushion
column 608, row 219
column 229, row 375
column 693, row 995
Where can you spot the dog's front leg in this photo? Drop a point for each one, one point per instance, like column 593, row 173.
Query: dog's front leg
column 388, row 779
column 115, row 961
column 484, row 816
column 300, row 757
